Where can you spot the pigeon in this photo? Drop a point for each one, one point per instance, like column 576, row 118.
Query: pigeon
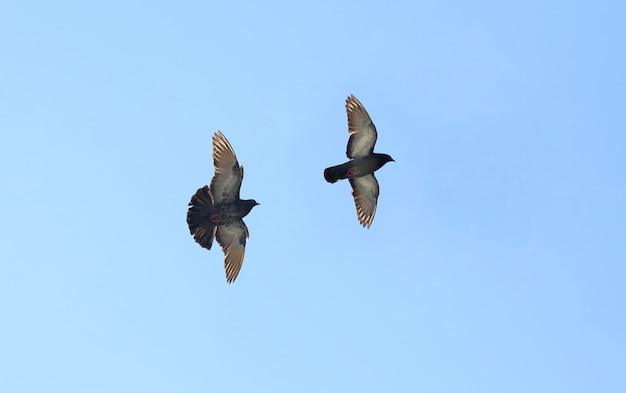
column 217, row 211
column 363, row 162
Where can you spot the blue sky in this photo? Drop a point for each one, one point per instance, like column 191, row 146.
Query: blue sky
column 496, row 260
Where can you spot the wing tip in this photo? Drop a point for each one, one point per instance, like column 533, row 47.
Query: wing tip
column 233, row 261
column 366, row 220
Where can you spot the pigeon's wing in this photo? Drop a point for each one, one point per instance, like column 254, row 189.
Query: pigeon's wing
column 226, row 182
column 232, row 237
column 362, row 131
column 365, row 193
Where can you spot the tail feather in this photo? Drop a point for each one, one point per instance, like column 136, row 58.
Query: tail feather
column 202, row 198
column 204, row 236
column 335, row 173
column 198, row 217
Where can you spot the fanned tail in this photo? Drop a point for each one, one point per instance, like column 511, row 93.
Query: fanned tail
column 198, row 217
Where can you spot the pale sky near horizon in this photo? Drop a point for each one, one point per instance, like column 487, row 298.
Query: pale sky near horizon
column 495, row 262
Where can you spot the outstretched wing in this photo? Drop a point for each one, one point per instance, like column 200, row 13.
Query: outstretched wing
column 365, row 193
column 226, row 182
column 362, row 131
column 232, row 237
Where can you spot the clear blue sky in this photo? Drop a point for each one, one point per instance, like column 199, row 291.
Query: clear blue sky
column 497, row 258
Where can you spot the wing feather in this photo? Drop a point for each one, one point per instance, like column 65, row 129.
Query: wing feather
column 365, row 193
column 232, row 237
column 228, row 176
column 361, row 128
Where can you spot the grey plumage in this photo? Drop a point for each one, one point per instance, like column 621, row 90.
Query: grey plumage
column 364, row 162
column 217, row 211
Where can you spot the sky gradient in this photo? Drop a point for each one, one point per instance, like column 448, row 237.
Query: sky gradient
column 495, row 262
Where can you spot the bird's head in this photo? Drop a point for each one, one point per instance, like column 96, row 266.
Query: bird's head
column 248, row 204
column 387, row 158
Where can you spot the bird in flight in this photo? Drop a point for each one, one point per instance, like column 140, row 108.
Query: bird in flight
column 363, row 162
column 217, row 211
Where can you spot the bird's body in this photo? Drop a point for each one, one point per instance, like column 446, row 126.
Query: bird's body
column 357, row 167
column 227, row 213
column 364, row 162
column 217, row 211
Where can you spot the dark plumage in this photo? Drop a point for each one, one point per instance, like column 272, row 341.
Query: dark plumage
column 364, row 162
column 217, row 211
